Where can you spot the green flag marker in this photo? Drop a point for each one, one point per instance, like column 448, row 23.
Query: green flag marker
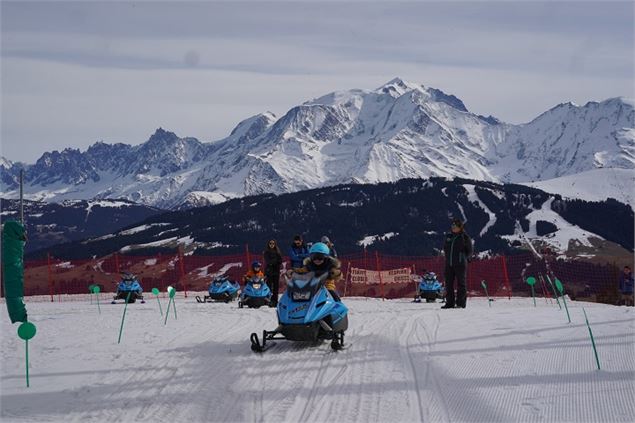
column 595, row 351
column 90, row 289
column 171, row 292
column 26, row 331
column 155, row 291
column 484, row 285
column 531, row 281
column 96, row 291
column 124, row 316
column 564, row 300
column 555, row 294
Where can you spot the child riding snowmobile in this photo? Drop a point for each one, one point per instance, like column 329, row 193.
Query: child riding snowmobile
column 307, row 311
column 129, row 289
column 220, row 289
column 429, row 288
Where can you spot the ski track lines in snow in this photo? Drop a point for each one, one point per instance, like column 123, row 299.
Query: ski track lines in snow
column 403, row 362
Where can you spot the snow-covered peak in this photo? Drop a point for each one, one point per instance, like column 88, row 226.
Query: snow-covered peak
column 397, row 87
column 5, row 163
column 253, row 127
column 162, row 136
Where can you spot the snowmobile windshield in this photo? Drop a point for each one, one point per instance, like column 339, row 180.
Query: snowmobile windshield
column 303, row 286
column 256, row 281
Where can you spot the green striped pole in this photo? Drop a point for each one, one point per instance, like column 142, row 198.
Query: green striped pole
column 595, row 351
column 554, row 291
column 531, row 281
column 155, row 291
column 96, row 290
column 124, row 316
column 26, row 331
column 171, row 293
column 564, row 300
column 484, row 285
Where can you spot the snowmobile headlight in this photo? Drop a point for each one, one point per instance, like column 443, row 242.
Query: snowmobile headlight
column 256, row 286
column 299, row 296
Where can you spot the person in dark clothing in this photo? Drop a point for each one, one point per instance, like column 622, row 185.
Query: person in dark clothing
column 325, row 240
column 273, row 262
column 298, row 252
column 458, row 251
column 626, row 286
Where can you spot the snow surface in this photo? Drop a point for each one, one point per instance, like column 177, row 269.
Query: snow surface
column 370, row 239
column 405, row 362
column 593, row 185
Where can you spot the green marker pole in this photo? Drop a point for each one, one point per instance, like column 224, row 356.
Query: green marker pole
column 484, row 285
column 96, row 290
column 564, row 300
column 90, row 289
column 124, row 316
column 531, row 281
column 595, row 351
column 171, row 293
column 167, row 313
column 155, row 291
column 555, row 294
column 26, row 331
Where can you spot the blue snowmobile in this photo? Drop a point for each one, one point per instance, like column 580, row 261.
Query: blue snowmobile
column 220, row 289
column 429, row 288
column 256, row 293
column 128, row 289
column 306, row 312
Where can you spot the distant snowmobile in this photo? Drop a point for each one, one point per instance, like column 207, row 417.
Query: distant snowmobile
column 306, row 312
column 256, row 293
column 429, row 288
column 128, row 289
column 220, row 289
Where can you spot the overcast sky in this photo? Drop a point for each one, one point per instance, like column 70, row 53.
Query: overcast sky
column 76, row 73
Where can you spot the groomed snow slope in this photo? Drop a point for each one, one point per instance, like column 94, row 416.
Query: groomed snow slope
column 405, row 362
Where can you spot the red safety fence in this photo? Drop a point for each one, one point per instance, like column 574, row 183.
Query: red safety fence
column 504, row 275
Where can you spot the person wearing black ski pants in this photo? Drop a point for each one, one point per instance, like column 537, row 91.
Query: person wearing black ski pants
column 458, row 250
column 273, row 262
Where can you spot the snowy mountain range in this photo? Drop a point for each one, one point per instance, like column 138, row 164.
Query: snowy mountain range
column 408, row 217
column 48, row 224
column 399, row 130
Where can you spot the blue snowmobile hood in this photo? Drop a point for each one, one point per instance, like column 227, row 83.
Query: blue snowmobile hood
column 306, row 301
column 129, row 285
column 429, row 285
column 256, row 288
column 221, row 285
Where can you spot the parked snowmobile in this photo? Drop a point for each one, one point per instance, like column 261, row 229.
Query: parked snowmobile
column 429, row 288
column 220, row 289
column 129, row 288
column 306, row 312
column 256, row 293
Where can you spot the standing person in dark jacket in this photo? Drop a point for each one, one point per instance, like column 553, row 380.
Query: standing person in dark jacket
column 325, row 240
column 273, row 262
column 298, row 252
column 626, row 286
column 458, row 250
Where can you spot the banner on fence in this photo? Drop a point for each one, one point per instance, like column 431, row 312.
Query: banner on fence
column 363, row 276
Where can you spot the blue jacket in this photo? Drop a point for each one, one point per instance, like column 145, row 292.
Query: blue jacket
column 297, row 255
column 626, row 284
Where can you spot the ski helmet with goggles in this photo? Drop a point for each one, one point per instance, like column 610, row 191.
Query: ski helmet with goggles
column 319, row 249
column 255, row 264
